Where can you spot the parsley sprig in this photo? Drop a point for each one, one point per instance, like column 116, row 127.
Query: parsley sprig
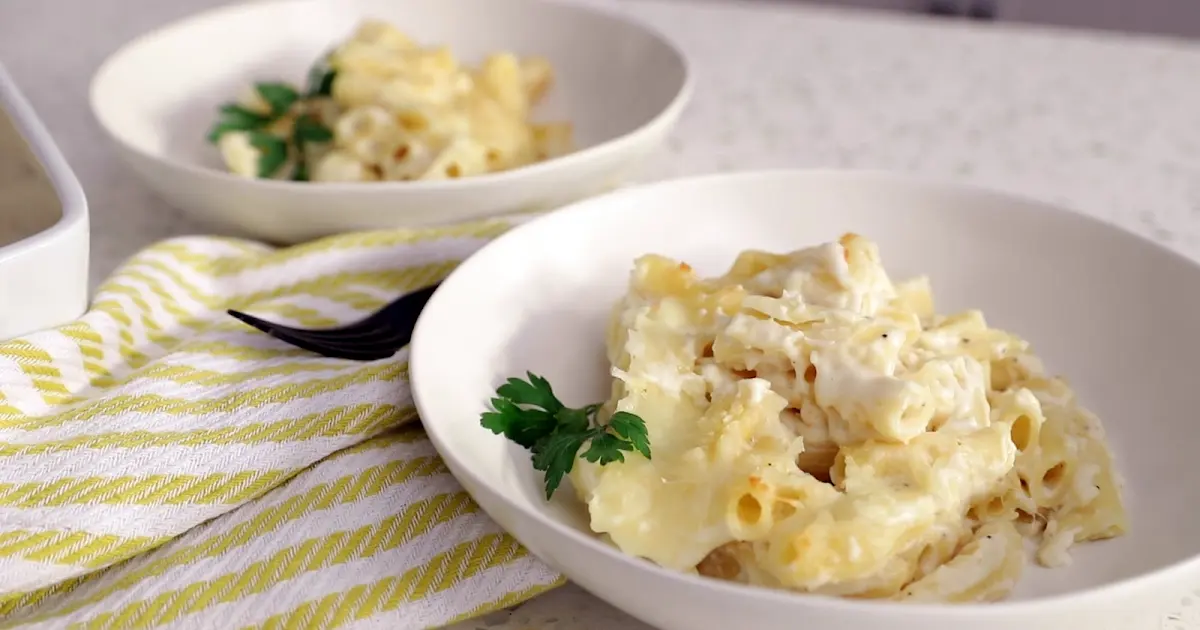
column 320, row 78
column 528, row 413
column 233, row 117
column 282, row 101
column 273, row 151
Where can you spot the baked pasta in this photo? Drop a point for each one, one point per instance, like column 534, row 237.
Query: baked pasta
column 381, row 107
column 817, row 427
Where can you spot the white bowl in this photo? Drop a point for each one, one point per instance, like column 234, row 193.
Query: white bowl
column 1112, row 311
column 43, row 224
column 622, row 85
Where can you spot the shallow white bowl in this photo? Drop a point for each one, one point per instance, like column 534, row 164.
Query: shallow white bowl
column 43, row 224
column 1112, row 311
column 621, row 84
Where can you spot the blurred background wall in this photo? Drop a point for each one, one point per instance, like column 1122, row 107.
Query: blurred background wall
column 1163, row 17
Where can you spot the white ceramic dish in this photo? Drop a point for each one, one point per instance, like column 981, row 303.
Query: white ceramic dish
column 43, row 224
column 621, row 84
column 1110, row 310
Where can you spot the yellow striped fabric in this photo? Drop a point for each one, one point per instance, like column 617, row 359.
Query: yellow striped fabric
column 163, row 465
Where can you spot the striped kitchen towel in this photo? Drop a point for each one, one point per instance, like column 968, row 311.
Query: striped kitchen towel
column 162, row 464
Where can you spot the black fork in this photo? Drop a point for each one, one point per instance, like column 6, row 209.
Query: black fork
column 378, row 336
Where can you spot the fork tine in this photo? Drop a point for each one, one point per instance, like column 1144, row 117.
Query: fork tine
column 381, row 337
column 359, row 334
column 287, row 335
column 363, row 352
column 401, row 314
column 321, row 334
column 261, row 324
column 378, row 336
column 361, row 330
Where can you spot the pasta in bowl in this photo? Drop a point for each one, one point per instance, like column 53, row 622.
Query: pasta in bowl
column 414, row 113
column 381, row 107
column 816, row 427
column 646, row 520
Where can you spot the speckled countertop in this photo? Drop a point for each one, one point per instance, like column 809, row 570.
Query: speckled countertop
column 1102, row 123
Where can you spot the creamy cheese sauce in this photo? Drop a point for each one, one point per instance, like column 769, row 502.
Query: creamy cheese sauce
column 823, row 432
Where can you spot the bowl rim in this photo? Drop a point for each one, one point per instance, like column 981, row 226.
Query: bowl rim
column 669, row 113
column 72, row 201
column 1165, row 578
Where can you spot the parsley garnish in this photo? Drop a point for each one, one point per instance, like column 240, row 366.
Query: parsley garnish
column 528, row 413
column 233, row 117
column 300, row 173
column 274, row 152
column 320, row 80
column 320, row 77
column 283, row 101
column 279, row 96
column 309, row 129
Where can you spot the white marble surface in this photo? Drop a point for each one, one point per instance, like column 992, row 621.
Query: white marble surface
column 1102, row 123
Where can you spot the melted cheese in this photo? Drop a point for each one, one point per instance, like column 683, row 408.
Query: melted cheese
column 814, row 428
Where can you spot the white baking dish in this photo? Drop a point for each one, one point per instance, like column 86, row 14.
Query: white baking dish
column 43, row 224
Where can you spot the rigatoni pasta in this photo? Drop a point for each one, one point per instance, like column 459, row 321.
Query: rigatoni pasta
column 818, row 428
column 381, row 107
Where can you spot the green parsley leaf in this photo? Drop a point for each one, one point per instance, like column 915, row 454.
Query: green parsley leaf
column 280, row 96
column 535, row 392
column 309, row 129
column 233, row 117
column 320, row 80
column 320, row 77
column 573, row 419
column 233, row 109
column 528, row 413
column 274, row 152
column 633, row 429
column 521, row 425
column 306, row 129
column 221, row 128
column 300, row 173
column 555, row 455
column 606, row 448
